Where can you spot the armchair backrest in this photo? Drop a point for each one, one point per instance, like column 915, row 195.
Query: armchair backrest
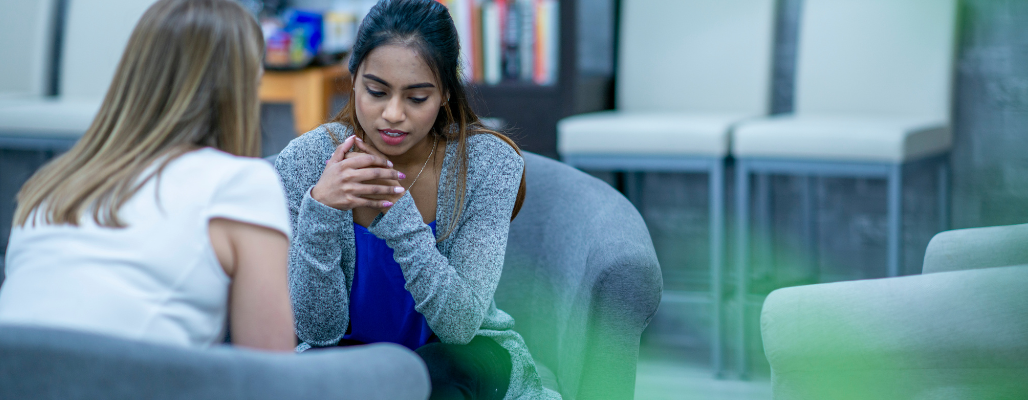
column 976, row 248
column 695, row 55
column 581, row 280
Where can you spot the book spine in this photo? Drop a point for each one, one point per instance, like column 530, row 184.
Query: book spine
column 492, row 42
column 541, row 41
column 462, row 20
column 552, row 41
column 511, row 39
column 476, row 41
column 527, row 39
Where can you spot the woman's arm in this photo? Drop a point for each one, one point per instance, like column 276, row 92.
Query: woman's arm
column 455, row 294
column 255, row 258
column 317, row 284
column 320, row 184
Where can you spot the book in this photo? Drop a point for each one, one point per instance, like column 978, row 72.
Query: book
column 511, row 25
column 476, row 42
column 507, row 40
column 550, row 41
column 526, row 38
column 491, row 42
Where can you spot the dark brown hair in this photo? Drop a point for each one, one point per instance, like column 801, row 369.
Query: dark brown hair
column 426, row 27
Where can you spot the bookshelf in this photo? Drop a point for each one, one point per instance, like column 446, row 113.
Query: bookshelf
column 530, row 112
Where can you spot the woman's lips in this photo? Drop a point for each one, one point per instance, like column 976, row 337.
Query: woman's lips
column 392, row 137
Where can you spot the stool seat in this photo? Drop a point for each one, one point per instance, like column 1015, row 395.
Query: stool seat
column 650, row 133
column 49, row 117
column 894, row 139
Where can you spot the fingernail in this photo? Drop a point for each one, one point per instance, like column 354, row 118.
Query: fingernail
column 400, row 174
column 390, row 163
column 398, row 189
column 387, row 204
column 358, row 139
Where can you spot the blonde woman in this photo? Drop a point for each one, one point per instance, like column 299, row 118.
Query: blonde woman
column 158, row 225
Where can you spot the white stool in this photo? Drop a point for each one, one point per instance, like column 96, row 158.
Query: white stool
column 688, row 70
column 873, row 89
column 93, row 40
column 27, row 28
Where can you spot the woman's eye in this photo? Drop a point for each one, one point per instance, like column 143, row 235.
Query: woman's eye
column 374, row 93
column 418, row 100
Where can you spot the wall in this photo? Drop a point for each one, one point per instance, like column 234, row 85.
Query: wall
column 990, row 157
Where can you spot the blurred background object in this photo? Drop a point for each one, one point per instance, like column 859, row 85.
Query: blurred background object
column 872, row 101
column 677, row 115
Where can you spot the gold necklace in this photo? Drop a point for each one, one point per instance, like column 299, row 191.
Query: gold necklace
column 435, row 141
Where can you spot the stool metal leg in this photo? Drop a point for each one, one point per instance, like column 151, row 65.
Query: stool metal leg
column 742, row 215
column 762, row 249
column 810, row 185
column 632, row 189
column 716, row 188
column 943, row 192
column 895, row 217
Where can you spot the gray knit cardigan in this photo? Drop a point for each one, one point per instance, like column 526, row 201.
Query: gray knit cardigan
column 452, row 282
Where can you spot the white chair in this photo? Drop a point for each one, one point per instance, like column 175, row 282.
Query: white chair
column 27, row 28
column 93, row 39
column 873, row 88
column 688, row 70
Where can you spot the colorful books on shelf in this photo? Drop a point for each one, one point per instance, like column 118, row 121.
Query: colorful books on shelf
column 508, row 40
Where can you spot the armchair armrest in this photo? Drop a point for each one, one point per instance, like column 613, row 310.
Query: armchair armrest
column 960, row 334
column 976, row 248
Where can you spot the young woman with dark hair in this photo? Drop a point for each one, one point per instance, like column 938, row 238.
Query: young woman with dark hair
column 401, row 207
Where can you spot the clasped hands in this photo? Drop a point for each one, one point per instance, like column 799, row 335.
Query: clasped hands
column 359, row 178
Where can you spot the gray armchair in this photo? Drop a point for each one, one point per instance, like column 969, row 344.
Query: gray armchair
column 958, row 331
column 38, row 363
column 581, row 280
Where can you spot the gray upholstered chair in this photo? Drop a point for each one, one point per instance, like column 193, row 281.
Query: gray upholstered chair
column 581, row 280
column 957, row 331
column 38, row 363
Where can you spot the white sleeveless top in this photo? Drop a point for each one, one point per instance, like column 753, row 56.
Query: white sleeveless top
column 158, row 279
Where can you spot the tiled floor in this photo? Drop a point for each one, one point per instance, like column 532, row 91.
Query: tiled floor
column 680, row 378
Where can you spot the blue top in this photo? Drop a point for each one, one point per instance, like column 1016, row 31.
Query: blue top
column 381, row 308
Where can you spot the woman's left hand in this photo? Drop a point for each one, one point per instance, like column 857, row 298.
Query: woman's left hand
column 362, row 147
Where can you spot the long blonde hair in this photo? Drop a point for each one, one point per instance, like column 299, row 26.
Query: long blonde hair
column 188, row 79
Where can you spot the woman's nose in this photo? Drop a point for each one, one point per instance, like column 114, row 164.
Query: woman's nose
column 393, row 112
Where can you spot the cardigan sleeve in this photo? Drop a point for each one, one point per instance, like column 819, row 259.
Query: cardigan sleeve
column 317, row 282
column 454, row 294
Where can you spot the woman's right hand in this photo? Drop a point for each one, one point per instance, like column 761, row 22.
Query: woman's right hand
column 342, row 184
